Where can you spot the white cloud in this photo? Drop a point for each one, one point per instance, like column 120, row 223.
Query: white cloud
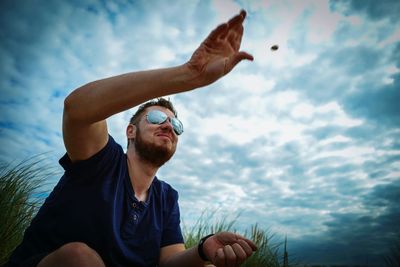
column 334, row 140
column 225, row 9
column 285, row 98
column 322, row 23
column 253, row 84
column 164, row 55
column 302, row 110
column 283, row 58
column 355, row 154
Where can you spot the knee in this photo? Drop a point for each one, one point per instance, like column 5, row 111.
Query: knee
column 75, row 249
column 73, row 254
column 79, row 253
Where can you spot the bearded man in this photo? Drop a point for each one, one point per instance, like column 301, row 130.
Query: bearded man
column 109, row 208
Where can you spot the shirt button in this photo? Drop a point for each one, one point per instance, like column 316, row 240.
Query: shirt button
column 134, row 205
column 135, row 217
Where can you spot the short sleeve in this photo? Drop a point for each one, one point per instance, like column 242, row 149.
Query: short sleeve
column 96, row 165
column 172, row 233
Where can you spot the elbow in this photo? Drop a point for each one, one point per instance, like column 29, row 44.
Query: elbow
column 75, row 107
column 78, row 104
column 68, row 102
column 70, row 106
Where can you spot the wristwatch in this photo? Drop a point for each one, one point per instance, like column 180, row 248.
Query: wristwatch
column 200, row 248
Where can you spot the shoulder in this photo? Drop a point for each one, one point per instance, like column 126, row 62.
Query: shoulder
column 111, row 152
column 165, row 190
column 163, row 186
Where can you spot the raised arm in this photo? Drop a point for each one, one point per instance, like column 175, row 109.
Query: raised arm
column 87, row 108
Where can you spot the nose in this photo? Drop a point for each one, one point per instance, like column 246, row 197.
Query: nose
column 167, row 124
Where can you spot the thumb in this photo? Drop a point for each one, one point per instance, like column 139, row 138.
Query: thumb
column 235, row 59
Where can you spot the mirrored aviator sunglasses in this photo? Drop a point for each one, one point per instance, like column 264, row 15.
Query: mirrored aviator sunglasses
column 159, row 117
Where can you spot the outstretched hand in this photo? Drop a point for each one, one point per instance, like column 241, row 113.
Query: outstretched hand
column 227, row 249
column 219, row 53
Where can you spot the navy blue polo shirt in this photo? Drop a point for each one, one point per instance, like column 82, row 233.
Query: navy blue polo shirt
column 94, row 203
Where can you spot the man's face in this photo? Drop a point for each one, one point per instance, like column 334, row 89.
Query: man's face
column 155, row 143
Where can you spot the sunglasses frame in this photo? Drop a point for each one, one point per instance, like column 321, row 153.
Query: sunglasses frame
column 158, row 117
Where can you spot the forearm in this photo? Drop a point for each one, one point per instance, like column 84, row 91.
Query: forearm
column 101, row 99
column 187, row 258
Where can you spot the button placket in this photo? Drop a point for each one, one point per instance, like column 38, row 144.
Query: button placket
column 135, row 212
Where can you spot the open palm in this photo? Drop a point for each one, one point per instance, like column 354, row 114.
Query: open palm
column 219, row 53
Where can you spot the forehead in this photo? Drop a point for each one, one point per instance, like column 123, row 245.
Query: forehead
column 163, row 109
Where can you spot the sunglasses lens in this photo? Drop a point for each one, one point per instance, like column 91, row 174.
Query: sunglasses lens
column 159, row 117
column 156, row 117
column 178, row 127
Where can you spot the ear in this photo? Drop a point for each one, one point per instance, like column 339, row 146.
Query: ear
column 131, row 131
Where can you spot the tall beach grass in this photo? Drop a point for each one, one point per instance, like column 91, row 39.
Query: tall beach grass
column 270, row 252
column 19, row 200
column 392, row 259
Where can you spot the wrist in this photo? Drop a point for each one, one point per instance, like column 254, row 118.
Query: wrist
column 200, row 248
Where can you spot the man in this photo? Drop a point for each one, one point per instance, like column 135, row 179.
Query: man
column 109, row 209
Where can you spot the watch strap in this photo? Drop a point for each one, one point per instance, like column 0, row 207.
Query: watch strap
column 200, row 248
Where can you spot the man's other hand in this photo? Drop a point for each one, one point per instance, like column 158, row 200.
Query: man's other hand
column 227, row 249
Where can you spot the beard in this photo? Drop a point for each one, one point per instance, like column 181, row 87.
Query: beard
column 152, row 153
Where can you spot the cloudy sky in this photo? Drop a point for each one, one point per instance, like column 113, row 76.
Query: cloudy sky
column 304, row 141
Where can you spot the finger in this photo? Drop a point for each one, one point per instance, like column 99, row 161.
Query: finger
column 222, row 30
column 239, row 36
column 246, row 247
column 243, row 13
column 235, row 38
column 231, row 29
column 240, row 253
column 230, row 256
column 219, row 259
column 232, row 40
column 218, row 32
column 232, row 26
column 238, row 19
column 239, row 237
column 251, row 244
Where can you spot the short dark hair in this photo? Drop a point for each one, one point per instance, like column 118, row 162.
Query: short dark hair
column 162, row 102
